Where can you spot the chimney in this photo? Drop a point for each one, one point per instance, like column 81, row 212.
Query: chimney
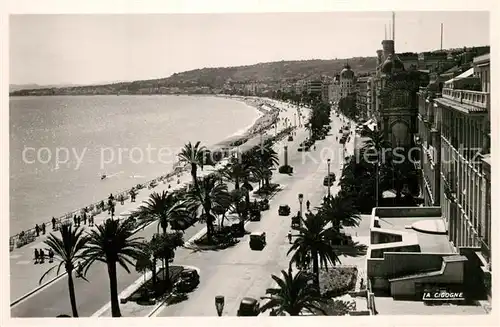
column 380, row 58
column 388, row 48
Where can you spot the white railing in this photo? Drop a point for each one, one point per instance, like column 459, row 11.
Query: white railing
column 474, row 98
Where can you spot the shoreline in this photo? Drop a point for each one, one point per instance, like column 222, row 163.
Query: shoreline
column 240, row 137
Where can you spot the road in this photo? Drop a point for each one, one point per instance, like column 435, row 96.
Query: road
column 238, row 272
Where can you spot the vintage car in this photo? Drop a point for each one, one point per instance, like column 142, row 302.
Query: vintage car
column 248, row 307
column 255, row 214
column 296, row 221
column 284, row 210
column 328, row 181
column 188, row 280
column 257, row 240
column 264, row 205
column 290, row 138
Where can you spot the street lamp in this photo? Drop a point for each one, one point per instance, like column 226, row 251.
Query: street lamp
column 328, row 162
column 301, row 198
column 219, row 304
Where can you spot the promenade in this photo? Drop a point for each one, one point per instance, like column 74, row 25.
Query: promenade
column 53, row 299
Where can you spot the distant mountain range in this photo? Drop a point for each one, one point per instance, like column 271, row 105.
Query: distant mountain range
column 270, row 75
column 266, row 77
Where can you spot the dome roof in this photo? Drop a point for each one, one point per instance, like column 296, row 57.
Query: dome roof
column 347, row 72
column 392, row 63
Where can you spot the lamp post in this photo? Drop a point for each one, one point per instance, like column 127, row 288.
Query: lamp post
column 295, row 119
column 286, row 155
column 328, row 163
column 219, row 304
column 301, row 198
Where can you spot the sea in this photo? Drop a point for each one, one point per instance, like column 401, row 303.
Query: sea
column 60, row 146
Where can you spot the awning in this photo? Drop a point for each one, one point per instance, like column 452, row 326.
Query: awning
column 465, row 74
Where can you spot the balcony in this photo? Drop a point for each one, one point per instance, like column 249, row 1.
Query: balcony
column 473, row 98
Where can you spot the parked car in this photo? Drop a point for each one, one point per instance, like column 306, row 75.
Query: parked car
column 264, row 205
column 290, row 138
column 328, row 181
column 255, row 214
column 284, row 210
column 188, row 280
column 257, row 240
column 249, row 307
column 296, row 221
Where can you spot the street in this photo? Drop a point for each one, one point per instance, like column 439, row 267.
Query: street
column 239, row 272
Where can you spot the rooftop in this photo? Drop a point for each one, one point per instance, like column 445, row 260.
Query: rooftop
column 430, row 243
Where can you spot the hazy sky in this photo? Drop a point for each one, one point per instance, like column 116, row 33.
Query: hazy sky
column 79, row 49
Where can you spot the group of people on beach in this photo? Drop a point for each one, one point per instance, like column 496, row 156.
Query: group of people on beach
column 40, row 256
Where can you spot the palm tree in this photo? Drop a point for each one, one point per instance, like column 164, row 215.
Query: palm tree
column 164, row 246
column 321, row 242
column 209, row 194
column 236, row 171
column 112, row 243
column 340, row 211
column 294, row 294
column 195, row 155
column 68, row 251
column 164, row 208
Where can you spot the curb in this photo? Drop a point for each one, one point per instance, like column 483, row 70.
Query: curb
column 61, row 275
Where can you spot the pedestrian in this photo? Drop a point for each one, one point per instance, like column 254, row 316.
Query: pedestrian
column 37, row 256
column 289, row 237
column 85, row 218
column 308, row 204
column 37, row 230
column 42, row 256
column 74, row 220
column 53, row 223
column 78, row 220
column 51, row 255
column 43, row 228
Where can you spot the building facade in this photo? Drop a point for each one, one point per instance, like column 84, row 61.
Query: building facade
column 362, row 96
column 343, row 84
column 454, row 135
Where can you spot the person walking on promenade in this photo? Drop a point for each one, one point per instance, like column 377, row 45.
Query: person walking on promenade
column 37, row 256
column 289, row 237
column 42, row 256
column 78, row 219
column 43, row 228
column 37, row 230
column 51, row 256
column 85, row 218
column 308, row 204
column 74, row 220
column 91, row 221
column 53, row 223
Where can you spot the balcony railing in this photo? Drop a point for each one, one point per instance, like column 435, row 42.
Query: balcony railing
column 474, row 98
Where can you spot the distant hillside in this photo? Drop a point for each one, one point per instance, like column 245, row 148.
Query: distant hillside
column 271, row 75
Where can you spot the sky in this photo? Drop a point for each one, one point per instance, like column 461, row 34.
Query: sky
column 87, row 49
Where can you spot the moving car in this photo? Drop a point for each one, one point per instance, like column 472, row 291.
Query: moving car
column 188, row 280
column 249, row 307
column 296, row 221
column 290, row 138
column 257, row 240
column 284, row 210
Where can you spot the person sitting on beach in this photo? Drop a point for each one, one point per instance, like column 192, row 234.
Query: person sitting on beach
column 37, row 256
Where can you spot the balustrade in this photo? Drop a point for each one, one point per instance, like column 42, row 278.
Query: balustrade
column 474, row 98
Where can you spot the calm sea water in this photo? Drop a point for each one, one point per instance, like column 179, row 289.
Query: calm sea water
column 132, row 139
